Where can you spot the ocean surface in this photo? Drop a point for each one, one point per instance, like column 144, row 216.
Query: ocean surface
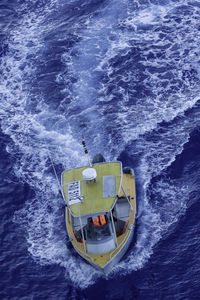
column 126, row 75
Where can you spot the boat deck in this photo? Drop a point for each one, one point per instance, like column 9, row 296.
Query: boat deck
column 128, row 183
column 108, row 175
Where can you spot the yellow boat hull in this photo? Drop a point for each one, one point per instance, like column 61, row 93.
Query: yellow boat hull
column 105, row 262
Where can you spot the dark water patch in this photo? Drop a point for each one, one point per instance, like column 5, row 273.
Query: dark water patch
column 190, row 153
column 109, row 289
column 174, row 262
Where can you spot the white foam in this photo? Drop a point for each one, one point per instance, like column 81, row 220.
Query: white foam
column 34, row 133
column 133, row 122
column 42, row 216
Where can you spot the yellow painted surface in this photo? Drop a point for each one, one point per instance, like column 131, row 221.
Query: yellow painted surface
column 128, row 183
column 92, row 191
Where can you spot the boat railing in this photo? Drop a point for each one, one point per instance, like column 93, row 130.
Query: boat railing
column 83, row 252
column 111, row 254
column 127, row 198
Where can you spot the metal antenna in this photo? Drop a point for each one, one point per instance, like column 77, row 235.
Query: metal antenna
column 86, row 151
column 58, row 182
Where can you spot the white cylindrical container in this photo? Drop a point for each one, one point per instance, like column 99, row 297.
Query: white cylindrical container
column 89, row 174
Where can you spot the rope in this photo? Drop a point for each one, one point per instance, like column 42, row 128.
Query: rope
column 58, row 182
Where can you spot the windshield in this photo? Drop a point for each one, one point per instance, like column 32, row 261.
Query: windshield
column 97, row 233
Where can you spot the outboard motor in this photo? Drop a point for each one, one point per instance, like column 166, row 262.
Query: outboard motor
column 98, row 158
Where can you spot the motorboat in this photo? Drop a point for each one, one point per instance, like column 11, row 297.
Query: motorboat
column 100, row 210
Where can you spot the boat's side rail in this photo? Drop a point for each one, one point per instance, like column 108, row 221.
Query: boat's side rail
column 82, row 253
column 111, row 254
column 72, row 237
column 127, row 198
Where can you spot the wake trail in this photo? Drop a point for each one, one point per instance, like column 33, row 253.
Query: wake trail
column 123, row 84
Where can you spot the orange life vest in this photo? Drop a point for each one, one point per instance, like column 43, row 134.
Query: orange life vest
column 95, row 221
column 102, row 219
column 99, row 220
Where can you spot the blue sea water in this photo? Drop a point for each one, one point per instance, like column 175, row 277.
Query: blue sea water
column 126, row 74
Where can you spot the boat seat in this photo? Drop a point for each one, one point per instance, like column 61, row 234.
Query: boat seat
column 122, row 210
